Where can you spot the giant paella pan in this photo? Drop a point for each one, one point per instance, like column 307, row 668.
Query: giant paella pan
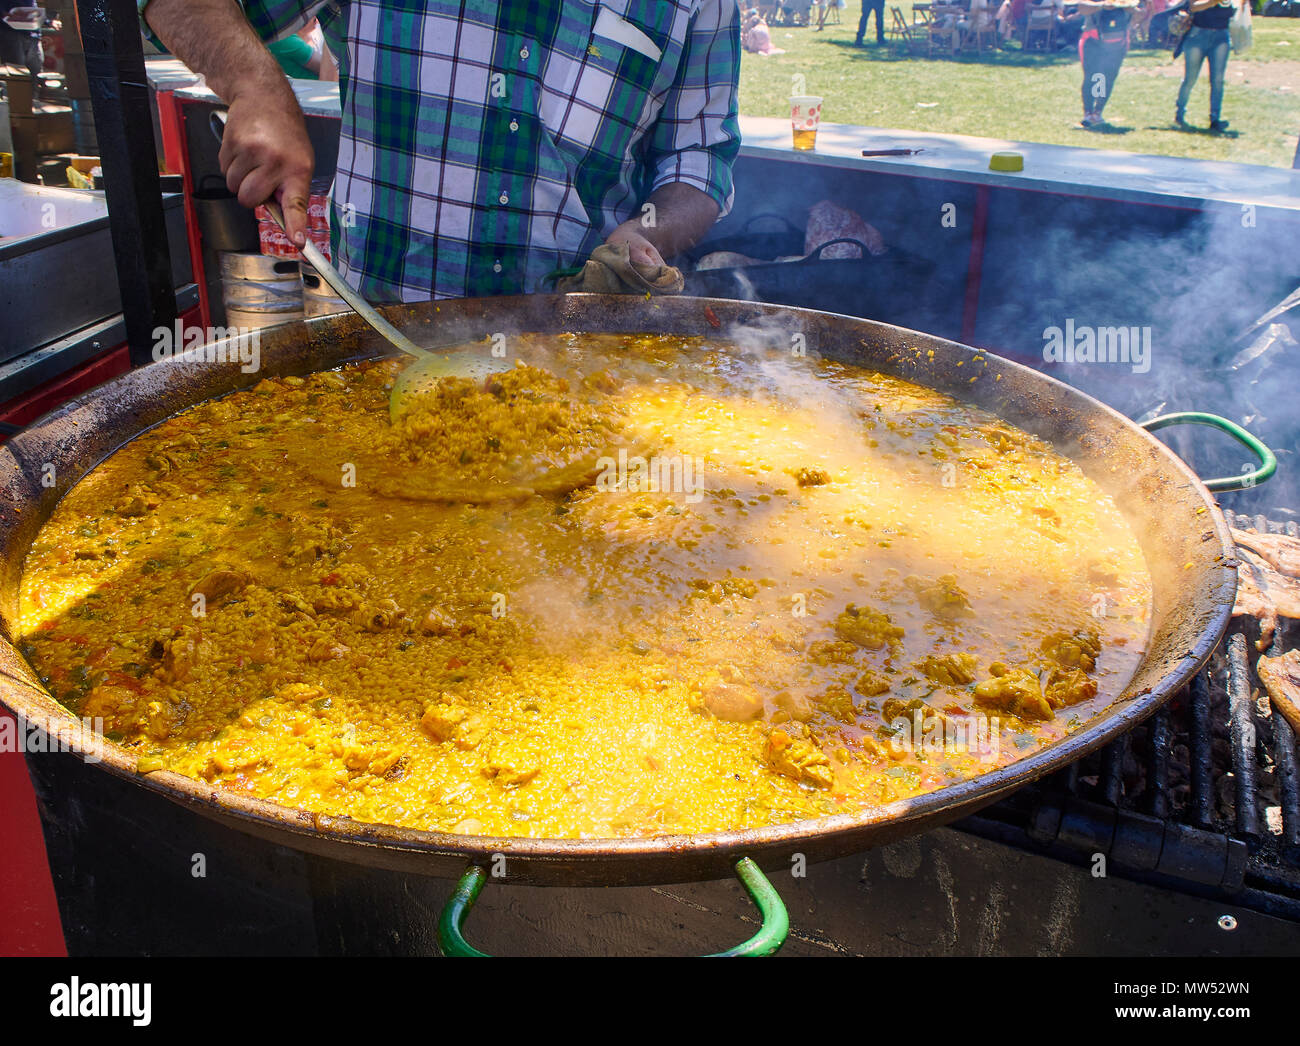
column 811, row 583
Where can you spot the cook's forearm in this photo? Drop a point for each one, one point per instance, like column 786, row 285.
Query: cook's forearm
column 214, row 38
column 680, row 217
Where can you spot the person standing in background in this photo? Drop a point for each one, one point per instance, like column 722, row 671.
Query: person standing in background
column 977, row 18
column 878, row 6
column 1102, row 47
column 20, row 47
column 301, row 55
column 1207, row 40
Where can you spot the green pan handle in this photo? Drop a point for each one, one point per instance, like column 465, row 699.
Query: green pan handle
column 1267, row 459
column 771, row 935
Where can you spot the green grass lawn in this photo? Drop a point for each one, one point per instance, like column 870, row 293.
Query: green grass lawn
column 1035, row 97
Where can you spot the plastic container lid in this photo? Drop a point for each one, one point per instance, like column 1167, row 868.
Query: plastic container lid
column 1006, row 162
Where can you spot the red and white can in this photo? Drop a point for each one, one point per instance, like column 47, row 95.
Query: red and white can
column 318, row 211
column 321, row 239
column 273, row 240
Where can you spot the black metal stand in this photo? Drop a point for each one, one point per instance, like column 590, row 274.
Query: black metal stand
column 119, row 92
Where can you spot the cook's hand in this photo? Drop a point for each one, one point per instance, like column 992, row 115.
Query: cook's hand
column 265, row 153
column 640, row 250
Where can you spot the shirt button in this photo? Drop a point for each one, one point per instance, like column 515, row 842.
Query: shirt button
column 514, row 125
column 504, row 198
column 523, row 53
column 496, row 267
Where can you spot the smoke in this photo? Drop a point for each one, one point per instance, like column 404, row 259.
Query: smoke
column 1196, row 285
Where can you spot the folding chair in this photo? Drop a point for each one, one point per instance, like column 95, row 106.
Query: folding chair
column 978, row 38
column 942, row 30
column 900, row 31
column 830, row 12
column 1040, row 26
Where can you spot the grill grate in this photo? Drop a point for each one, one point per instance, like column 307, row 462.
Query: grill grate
column 1203, row 797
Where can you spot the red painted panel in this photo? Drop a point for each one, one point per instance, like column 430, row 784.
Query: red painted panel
column 169, row 123
column 31, row 405
column 29, row 913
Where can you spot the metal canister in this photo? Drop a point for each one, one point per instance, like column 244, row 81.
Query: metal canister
column 259, row 290
column 318, row 299
column 83, row 127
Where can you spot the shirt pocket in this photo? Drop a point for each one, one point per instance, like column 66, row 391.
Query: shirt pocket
column 598, row 94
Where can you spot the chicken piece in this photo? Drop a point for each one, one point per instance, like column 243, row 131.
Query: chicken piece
column 727, row 696
column 950, row 669
column 262, row 650
column 169, row 457
column 794, row 706
column 162, row 462
column 179, row 658
column 1077, row 649
column 896, row 708
column 135, row 502
column 1015, row 691
column 334, row 599
column 867, row 628
column 378, row 616
column 218, row 583
column 472, row 731
column 941, row 597
column 441, row 722
column 1068, row 686
column 436, row 623
column 327, row 648
column 358, row 757
column 799, row 760
column 386, row 763
column 295, row 604
column 109, row 703
column 871, row 684
column 511, row 765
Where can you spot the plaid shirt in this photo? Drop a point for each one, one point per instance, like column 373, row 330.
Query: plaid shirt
column 486, row 143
